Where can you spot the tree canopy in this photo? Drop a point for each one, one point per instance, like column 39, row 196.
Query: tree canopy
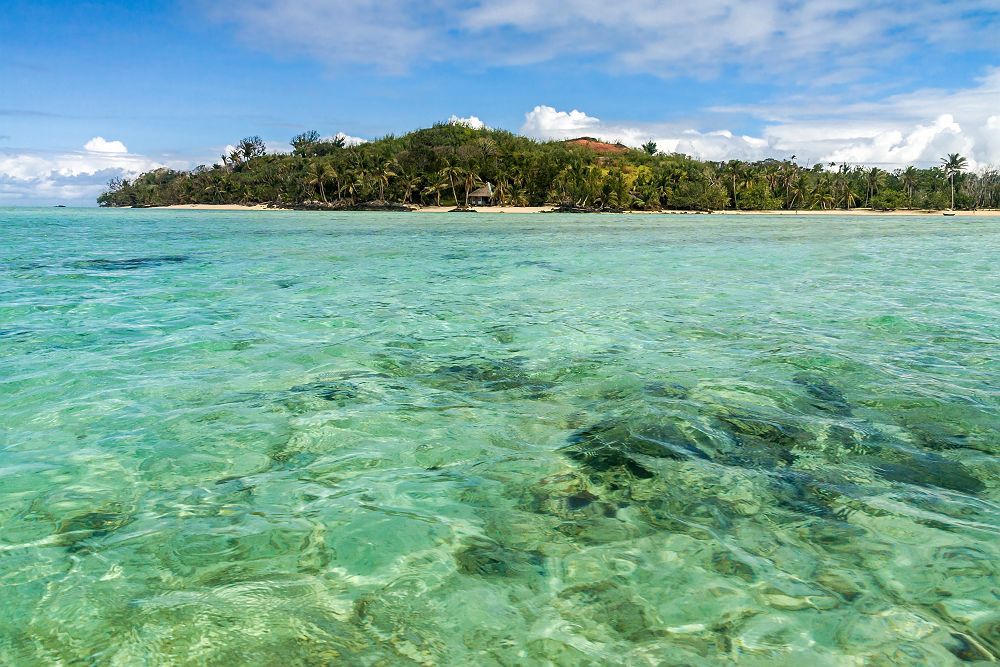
column 444, row 163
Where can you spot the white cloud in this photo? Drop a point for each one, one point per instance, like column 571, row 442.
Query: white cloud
column 547, row 123
column 916, row 128
column 386, row 33
column 349, row 140
column 942, row 136
column 471, row 121
column 102, row 145
column 800, row 39
column 70, row 176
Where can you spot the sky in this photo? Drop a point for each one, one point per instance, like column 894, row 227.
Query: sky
column 95, row 90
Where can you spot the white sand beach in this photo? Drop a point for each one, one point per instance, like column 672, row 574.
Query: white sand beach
column 861, row 212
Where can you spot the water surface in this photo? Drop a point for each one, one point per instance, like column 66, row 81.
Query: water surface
column 497, row 440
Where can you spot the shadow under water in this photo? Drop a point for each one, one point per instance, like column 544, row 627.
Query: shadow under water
column 382, row 440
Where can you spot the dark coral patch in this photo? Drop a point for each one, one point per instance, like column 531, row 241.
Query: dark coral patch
column 130, row 264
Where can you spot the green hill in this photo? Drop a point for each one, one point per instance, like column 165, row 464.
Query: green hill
column 442, row 164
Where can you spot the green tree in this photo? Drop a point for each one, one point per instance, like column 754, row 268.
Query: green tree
column 734, row 170
column 874, row 178
column 953, row 165
column 909, row 179
column 305, row 144
column 382, row 177
column 316, row 176
column 453, row 174
column 250, row 147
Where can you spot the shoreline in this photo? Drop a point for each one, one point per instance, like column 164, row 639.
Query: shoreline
column 521, row 210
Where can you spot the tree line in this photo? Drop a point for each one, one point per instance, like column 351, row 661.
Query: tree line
column 443, row 164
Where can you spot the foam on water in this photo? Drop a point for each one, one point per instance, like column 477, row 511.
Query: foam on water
column 396, row 439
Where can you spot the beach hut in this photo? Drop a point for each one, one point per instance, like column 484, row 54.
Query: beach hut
column 482, row 197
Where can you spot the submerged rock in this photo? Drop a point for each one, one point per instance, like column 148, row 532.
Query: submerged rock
column 931, row 470
column 897, row 462
column 616, row 445
column 725, row 562
column 328, row 391
column 580, row 500
column 803, row 493
column 130, row 264
column 541, row 264
column 502, row 333
column 745, row 427
column 666, row 390
column 73, row 531
column 761, row 442
column 488, row 559
column 939, row 438
column 823, row 395
column 487, row 375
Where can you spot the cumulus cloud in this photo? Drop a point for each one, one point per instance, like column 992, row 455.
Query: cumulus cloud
column 71, row 176
column 102, row 145
column 797, row 38
column 547, row 123
column 916, row 128
column 894, row 146
column 471, row 121
column 349, row 140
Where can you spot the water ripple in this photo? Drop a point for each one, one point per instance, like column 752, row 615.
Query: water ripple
column 374, row 439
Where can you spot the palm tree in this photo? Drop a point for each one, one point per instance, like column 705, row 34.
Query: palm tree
column 798, row 190
column 821, row 193
column 382, row 178
column 734, row 169
column 364, row 183
column 411, row 184
column 789, row 172
column 472, row 181
column 874, row 178
column 435, row 191
column 316, row 177
column 352, row 186
column 452, row 173
column 909, row 181
column 502, row 191
column 953, row 165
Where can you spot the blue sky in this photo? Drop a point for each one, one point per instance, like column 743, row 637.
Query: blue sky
column 873, row 82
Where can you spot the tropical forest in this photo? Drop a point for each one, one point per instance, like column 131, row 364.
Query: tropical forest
column 444, row 164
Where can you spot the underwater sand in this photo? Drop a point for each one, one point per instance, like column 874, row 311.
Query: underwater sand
column 366, row 439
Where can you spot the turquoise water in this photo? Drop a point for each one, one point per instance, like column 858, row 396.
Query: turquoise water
column 234, row 438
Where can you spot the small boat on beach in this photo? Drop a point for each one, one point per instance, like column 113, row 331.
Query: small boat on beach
column 948, row 213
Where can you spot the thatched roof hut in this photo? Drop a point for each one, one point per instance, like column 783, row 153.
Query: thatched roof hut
column 482, row 196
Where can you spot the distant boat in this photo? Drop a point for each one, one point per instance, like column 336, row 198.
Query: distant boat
column 60, row 205
column 948, row 214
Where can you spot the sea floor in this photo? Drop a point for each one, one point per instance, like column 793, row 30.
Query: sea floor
column 375, row 439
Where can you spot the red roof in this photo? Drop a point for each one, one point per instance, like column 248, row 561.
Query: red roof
column 597, row 146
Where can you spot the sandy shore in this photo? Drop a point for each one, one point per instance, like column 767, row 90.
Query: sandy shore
column 487, row 209
column 218, row 207
column 868, row 212
column 542, row 209
column 421, row 209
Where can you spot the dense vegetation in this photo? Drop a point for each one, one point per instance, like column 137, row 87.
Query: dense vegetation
column 443, row 164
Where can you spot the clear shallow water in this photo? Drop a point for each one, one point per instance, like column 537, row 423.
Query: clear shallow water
column 520, row 440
